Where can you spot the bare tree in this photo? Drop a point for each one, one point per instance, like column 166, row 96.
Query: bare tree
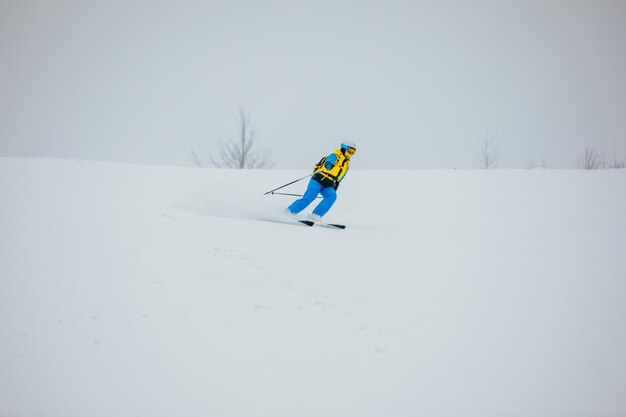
column 533, row 164
column 489, row 153
column 195, row 158
column 239, row 153
column 617, row 164
column 592, row 159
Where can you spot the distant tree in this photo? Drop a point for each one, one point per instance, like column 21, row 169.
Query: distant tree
column 238, row 153
column 489, row 153
column 617, row 164
column 533, row 164
column 592, row 159
column 195, row 159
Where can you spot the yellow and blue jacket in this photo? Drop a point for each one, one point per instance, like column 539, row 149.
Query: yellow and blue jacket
column 332, row 169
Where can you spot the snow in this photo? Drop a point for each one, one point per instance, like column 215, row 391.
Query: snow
column 130, row 290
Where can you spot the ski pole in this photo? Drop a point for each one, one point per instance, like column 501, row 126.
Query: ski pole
column 293, row 195
column 283, row 186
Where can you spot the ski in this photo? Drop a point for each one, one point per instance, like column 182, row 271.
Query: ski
column 331, row 225
column 308, row 222
column 312, row 223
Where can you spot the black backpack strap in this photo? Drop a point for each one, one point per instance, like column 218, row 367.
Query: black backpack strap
column 320, row 164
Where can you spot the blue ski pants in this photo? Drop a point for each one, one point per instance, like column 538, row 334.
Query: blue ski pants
column 313, row 189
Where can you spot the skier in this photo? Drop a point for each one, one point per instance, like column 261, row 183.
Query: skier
column 328, row 173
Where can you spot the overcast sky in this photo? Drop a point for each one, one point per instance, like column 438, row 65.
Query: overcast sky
column 416, row 84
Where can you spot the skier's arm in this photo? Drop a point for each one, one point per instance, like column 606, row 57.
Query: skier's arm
column 331, row 160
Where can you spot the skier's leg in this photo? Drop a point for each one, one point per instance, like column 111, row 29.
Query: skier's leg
column 313, row 189
column 327, row 202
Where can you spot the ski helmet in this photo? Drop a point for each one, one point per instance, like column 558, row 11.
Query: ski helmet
column 348, row 144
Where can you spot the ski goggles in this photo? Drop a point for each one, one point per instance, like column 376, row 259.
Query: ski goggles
column 351, row 151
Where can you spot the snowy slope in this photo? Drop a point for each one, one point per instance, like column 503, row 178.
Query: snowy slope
column 157, row 291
